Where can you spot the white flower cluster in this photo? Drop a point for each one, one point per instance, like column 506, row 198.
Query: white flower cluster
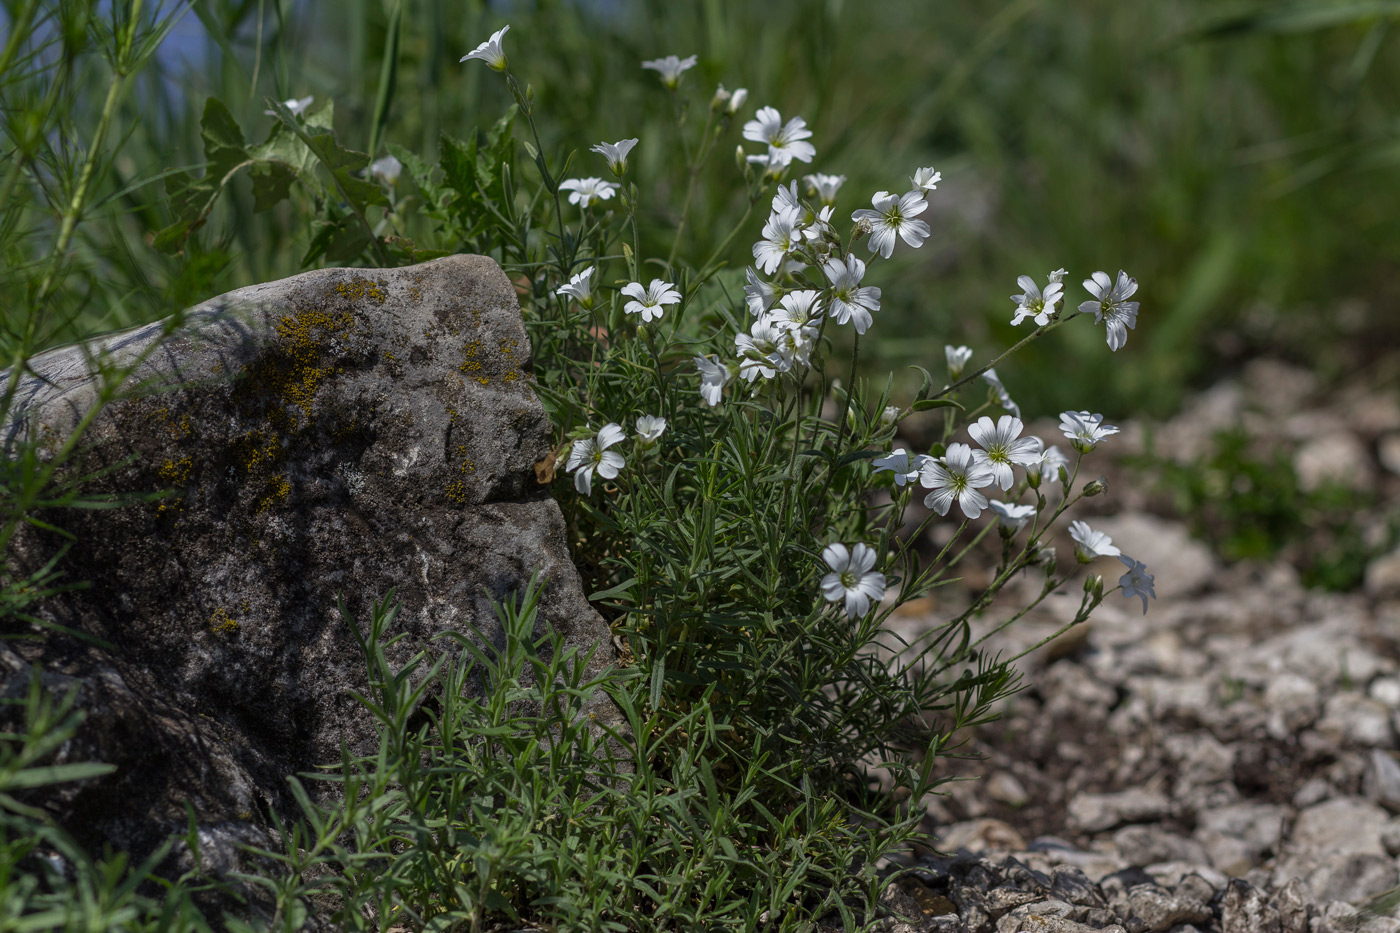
column 592, row 454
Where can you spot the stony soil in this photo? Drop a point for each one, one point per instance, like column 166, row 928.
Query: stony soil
column 1226, row 762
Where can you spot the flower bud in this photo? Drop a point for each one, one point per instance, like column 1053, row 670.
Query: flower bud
column 1093, row 585
column 741, row 159
column 720, row 99
column 1094, row 487
column 1045, row 557
column 736, row 100
column 1033, row 478
column 889, row 417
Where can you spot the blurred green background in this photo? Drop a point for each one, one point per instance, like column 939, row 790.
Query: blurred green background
column 1242, row 167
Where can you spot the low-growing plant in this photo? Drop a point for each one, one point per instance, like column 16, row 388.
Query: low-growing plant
column 740, row 508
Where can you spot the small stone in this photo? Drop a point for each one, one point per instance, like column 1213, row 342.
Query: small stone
column 1004, row 786
column 1144, row 845
column 1314, row 790
column 1160, row 909
column 1238, row 836
column 1388, row 452
column 1293, row 909
column 1335, row 457
column 1072, row 885
column 1193, row 878
column 1039, row 923
column 1246, row 910
column 1382, row 780
column 1386, row 690
column 981, row 835
column 1292, row 701
column 1356, row 718
column 1201, row 759
column 1354, row 878
column 1390, row 837
column 1383, row 576
column 1344, row 825
column 1093, row 813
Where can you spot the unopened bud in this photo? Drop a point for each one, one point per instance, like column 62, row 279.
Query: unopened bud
column 720, row 99
column 741, row 158
column 1045, row 557
column 737, row 99
column 1094, row 487
column 1033, row 478
column 851, row 420
column 1093, row 585
column 889, row 417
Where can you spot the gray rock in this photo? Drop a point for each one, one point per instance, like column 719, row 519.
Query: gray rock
column 334, row 435
column 1005, row 787
column 1356, row 718
column 1093, row 813
column 1354, row 878
column 1238, row 836
column 1292, row 701
column 1144, row 845
column 1335, row 457
column 1247, row 910
column 1341, row 917
column 1294, row 913
column 1382, row 780
column 1390, row 837
column 1342, row 826
column 1161, row 909
column 1382, row 579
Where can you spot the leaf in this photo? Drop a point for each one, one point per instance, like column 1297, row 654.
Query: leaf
column 924, row 404
column 613, row 591
column 1298, row 16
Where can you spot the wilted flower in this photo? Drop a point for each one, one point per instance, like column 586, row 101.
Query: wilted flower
column 1137, row 581
column 590, row 454
column 850, row 301
column 758, row 294
column 584, row 191
column 1010, row 516
column 957, row 359
column 649, row 429
column 898, row 462
column 616, row 154
column 926, row 179
column 785, row 141
column 490, row 51
column 297, row 105
column 1002, row 446
column 893, row 215
column 991, row 378
column 851, row 578
column 958, row 477
column 824, row 186
column 671, row 67
column 649, row 302
column 1111, row 304
column 1089, row 544
column 780, row 235
column 1035, row 304
column 580, row 288
column 1085, row 430
column 714, row 376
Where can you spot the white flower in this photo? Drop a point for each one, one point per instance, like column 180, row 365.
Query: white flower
column 1111, row 303
column 758, row 350
column 714, row 376
column 649, row 301
column 650, row 428
column 590, row 454
column 851, row 578
column 991, row 378
column 793, row 345
column 616, row 154
column 893, row 215
column 1057, row 276
column 1085, row 430
column 889, row 418
column 387, row 169
column 1032, row 303
column 736, row 100
column 824, row 186
column 580, row 288
column 1003, row 446
column 958, row 477
column 1011, row 517
column 785, row 142
column 490, row 51
column 671, row 67
column 1049, row 464
column 584, row 191
column 1137, row 581
column 297, row 105
column 1089, row 544
column 780, row 235
column 758, row 294
column 926, row 179
column 957, row 359
column 798, row 308
column 849, row 300
column 898, row 462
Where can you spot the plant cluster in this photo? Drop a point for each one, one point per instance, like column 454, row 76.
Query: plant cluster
column 742, row 511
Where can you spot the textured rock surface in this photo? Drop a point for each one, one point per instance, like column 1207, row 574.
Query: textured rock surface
column 337, row 434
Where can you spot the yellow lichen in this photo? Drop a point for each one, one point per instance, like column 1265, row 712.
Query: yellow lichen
column 221, row 623
column 278, row 488
column 176, row 472
column 356, row 289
